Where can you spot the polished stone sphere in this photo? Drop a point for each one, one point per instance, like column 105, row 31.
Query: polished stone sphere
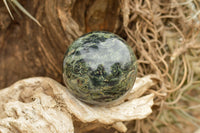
column 99, row 68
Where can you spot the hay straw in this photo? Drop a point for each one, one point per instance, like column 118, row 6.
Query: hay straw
column 165, row 37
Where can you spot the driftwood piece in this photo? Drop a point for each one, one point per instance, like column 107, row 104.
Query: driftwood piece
column 41, row 104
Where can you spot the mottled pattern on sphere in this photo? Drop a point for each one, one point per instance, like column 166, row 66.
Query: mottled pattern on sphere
column 99, row 68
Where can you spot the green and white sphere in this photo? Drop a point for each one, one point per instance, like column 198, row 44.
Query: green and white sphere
column 99, row 68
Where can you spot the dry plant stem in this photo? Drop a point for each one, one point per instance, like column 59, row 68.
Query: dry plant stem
column 21, row 8
column 156, row 129
column 43, row 102
column 183, row 79
column 163, row 34
column 6, row 4
column 160, row 32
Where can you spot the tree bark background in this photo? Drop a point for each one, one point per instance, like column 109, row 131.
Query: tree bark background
column 163, row 34
column 27, row 49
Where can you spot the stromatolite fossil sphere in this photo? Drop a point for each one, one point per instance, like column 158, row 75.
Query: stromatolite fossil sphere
column 99, row 68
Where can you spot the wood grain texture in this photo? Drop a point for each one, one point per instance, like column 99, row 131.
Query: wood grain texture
column 28, row 50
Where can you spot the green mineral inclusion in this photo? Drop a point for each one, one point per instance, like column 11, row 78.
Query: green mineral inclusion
column 99, row 68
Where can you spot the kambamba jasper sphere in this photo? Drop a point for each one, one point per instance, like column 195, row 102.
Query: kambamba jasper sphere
column 99, row 68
